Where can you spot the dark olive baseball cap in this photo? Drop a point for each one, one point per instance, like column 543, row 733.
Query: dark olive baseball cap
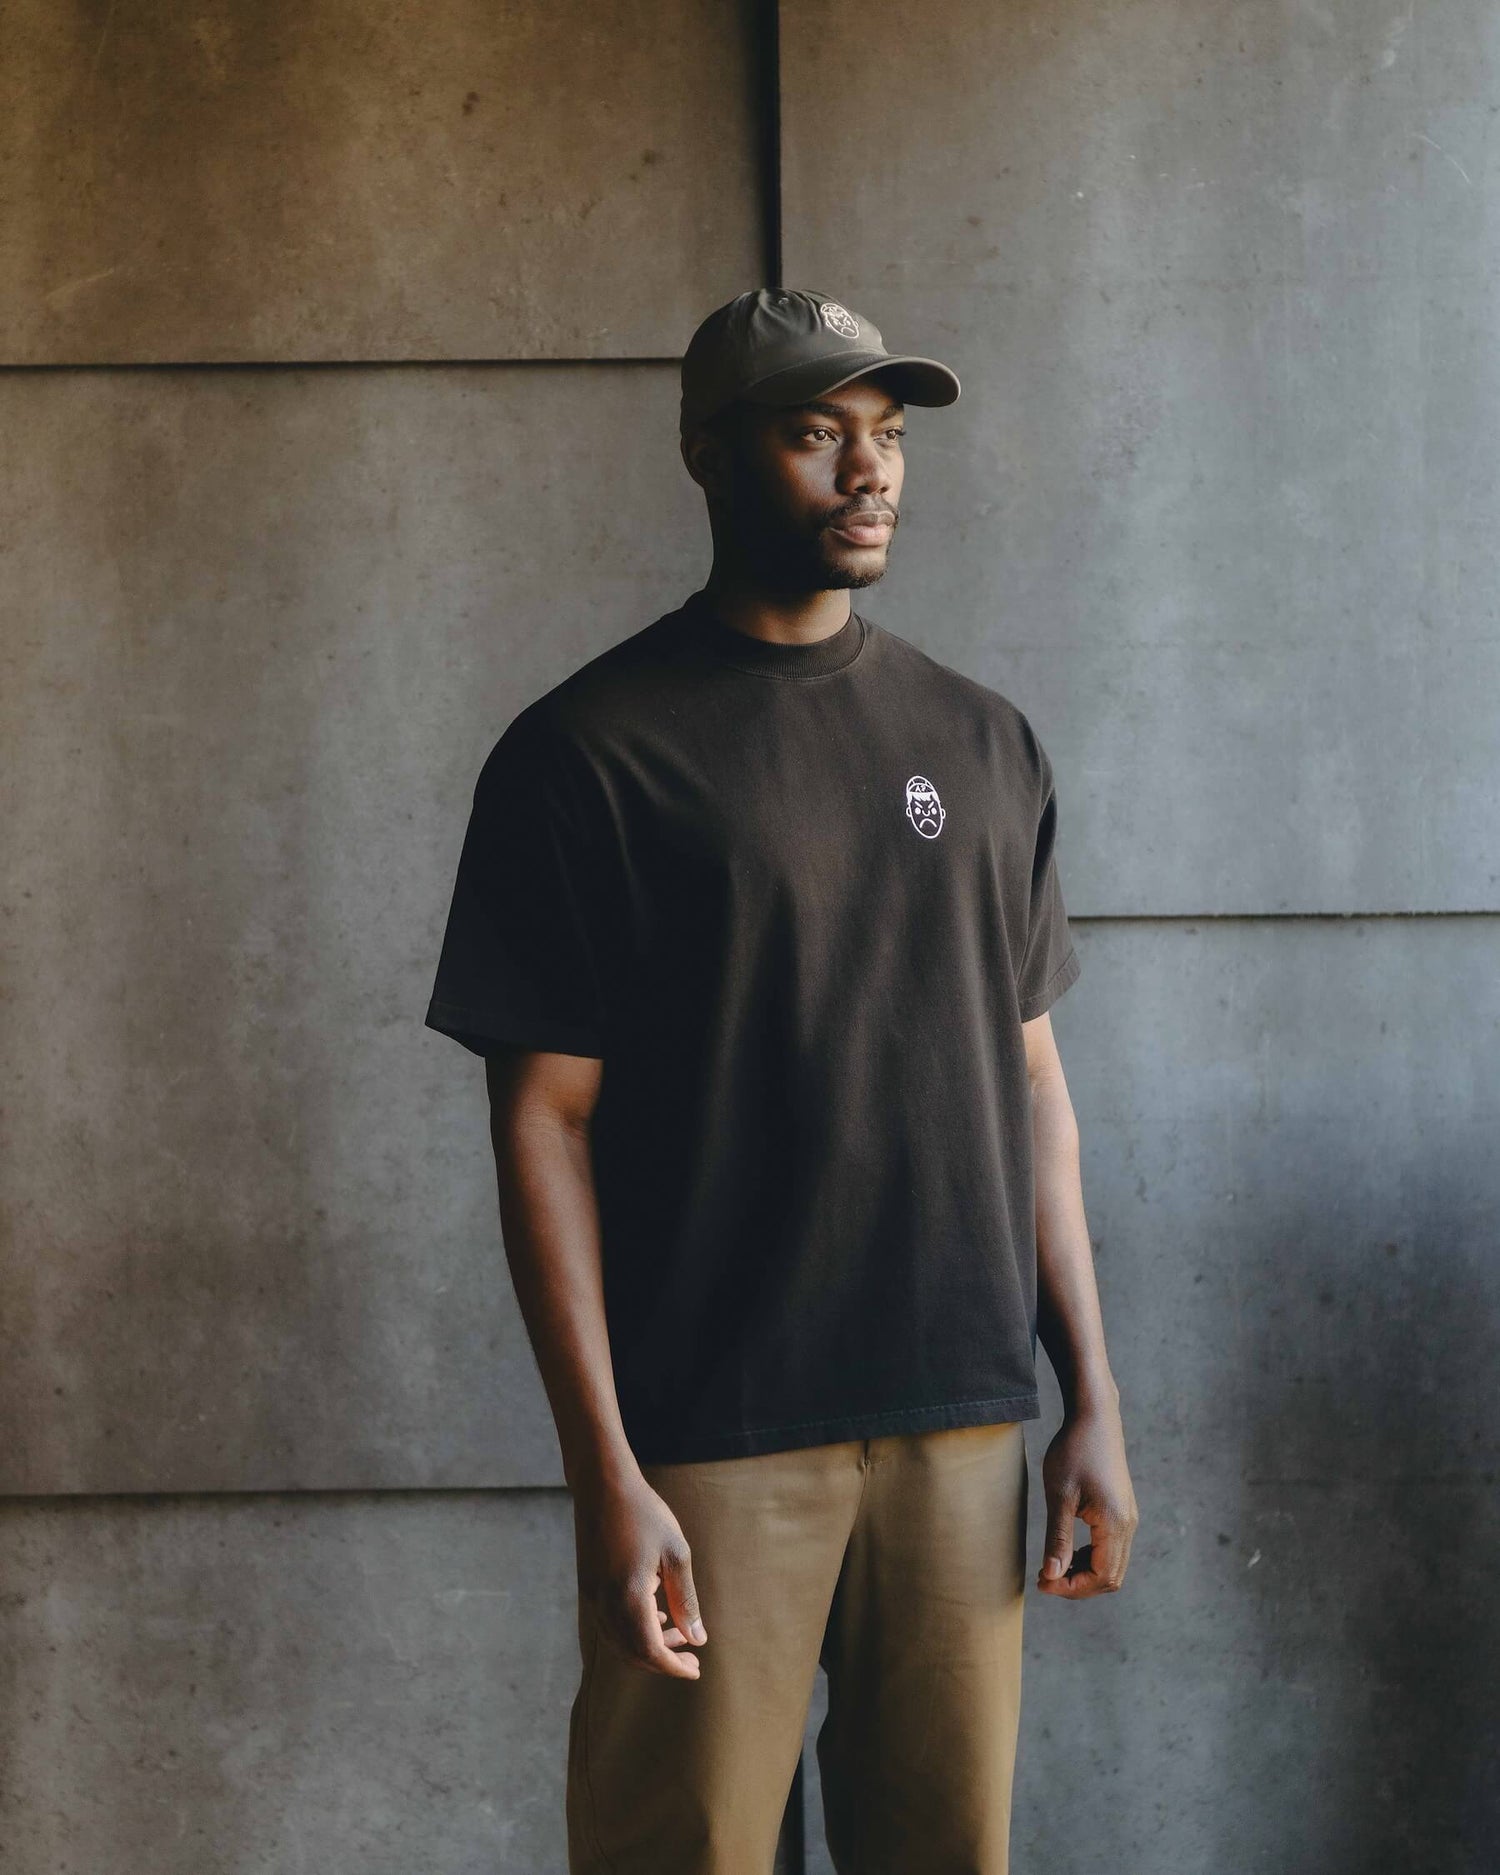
column 777, row 346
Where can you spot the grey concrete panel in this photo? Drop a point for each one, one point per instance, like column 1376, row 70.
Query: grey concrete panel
column 347, row 181
column 1217, row 499
column 266, row 1686
column 1294, row 1200
column 261, row 630
column 1288, row 1138
column 362, row 1685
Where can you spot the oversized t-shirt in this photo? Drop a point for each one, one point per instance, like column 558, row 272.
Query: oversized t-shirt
column 799, row 900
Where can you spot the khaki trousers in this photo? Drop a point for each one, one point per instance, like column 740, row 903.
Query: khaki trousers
column 899, row 1562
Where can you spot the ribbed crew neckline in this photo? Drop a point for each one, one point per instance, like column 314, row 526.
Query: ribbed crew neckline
column 726, row 644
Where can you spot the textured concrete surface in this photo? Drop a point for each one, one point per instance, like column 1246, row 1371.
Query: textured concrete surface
column 347, row 180
column 267, row 1686
column 1295, row 1206
column 1221, row 288
column 262, row 628
column 283, row 1685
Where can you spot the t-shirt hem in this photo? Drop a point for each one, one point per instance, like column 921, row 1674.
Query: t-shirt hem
column 479, row 1029
column 1043, row 999
column 752, row 1441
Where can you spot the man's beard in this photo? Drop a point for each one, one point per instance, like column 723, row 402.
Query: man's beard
column 780, row 559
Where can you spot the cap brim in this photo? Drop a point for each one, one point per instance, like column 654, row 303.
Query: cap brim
column 914, row 380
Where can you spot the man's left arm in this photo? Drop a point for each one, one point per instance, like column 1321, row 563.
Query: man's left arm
column 1084, row 1471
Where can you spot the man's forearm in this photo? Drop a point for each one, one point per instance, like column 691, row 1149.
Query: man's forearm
column 550, row 1220
column 1070, row 1325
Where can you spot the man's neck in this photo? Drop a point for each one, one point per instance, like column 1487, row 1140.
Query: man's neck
column 780, row 618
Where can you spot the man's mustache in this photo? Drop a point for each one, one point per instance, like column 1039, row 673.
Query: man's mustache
column 864, row 515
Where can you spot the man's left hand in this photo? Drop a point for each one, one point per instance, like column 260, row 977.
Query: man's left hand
column 1085, row 1476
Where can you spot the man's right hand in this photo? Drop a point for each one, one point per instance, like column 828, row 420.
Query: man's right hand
column 629, row 1544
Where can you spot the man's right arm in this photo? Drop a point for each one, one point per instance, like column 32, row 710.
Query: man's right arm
column 628, row 1540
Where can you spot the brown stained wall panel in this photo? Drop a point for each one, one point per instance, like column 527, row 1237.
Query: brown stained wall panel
column 345, row 181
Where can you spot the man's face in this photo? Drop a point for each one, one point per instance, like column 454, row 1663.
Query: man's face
column 808, row 499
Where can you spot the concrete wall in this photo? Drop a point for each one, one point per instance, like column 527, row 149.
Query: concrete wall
column 285, row 1564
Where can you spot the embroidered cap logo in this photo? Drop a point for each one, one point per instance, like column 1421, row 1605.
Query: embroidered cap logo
column 923, row 808
column 837, row 319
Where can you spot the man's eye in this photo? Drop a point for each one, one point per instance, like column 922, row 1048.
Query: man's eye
column 819, row 430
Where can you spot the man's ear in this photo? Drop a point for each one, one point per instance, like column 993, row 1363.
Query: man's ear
column 706, row 458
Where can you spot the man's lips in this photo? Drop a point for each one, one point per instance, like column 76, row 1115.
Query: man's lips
column 866, row 530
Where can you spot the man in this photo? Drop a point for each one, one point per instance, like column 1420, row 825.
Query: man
column 757, row 923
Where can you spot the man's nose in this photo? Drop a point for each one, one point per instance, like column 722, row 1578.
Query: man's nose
column 864, row 467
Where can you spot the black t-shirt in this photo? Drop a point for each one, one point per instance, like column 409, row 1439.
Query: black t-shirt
column 799, row 899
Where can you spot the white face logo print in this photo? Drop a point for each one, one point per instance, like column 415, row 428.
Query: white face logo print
column 837, row 319
column 923, row 808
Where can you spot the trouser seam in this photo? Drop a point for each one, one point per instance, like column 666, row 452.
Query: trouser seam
column 867, row 1465
column 591, row 1809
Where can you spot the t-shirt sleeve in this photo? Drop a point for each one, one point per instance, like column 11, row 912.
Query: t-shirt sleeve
column 520, row 958
column 1050, row 963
